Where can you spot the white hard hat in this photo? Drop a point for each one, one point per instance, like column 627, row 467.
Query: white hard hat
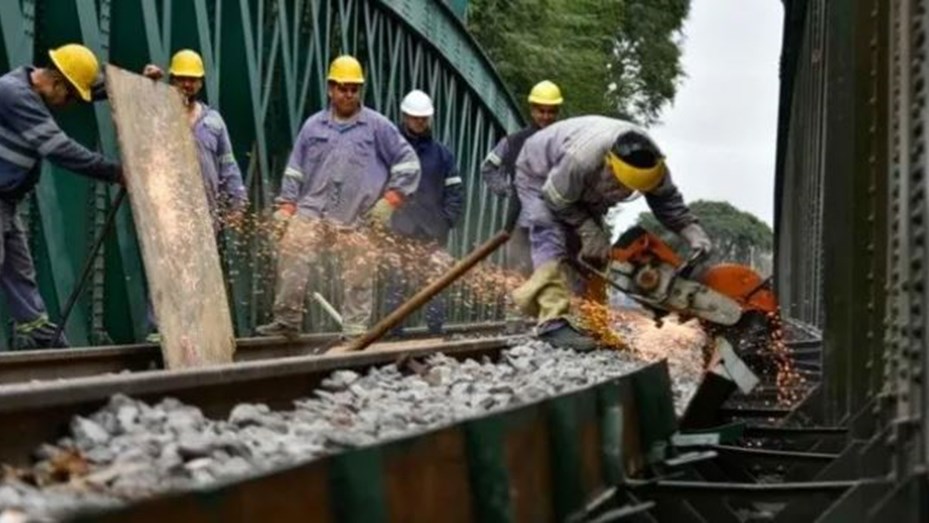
column 417, row 103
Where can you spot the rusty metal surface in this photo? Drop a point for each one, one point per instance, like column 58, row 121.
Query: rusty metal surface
column 502, row 466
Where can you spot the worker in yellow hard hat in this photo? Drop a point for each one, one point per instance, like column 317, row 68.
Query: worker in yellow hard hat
column 499, row 169
column 349, row 169
column 567, row 177
column 29, row 133
column 222, row 178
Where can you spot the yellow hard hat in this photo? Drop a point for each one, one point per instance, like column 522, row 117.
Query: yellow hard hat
column 346, row 70
column 642, row 179
column 636, row 161
column 79, row 65
column 187, row 63
column 545, row 93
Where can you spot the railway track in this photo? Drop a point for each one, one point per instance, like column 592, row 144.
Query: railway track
column 45, row 365
column 466, row 468
column 35, row 412
column 571, row 450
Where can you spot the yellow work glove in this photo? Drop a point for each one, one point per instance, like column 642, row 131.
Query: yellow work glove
column 379, row 215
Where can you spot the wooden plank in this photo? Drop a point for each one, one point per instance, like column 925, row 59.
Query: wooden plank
column 172, row 221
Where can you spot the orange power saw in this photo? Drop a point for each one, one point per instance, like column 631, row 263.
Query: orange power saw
column 732, row 302
column 647, row 269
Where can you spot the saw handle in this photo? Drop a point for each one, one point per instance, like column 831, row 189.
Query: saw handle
column 687, row 268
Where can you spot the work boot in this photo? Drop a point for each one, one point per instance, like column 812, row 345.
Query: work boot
column 38, row 334
column 278, row 328
column 567, row 337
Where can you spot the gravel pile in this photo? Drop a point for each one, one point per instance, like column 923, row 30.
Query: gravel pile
column 129, row 449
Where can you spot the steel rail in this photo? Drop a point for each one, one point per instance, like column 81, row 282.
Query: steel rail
column 32, row 413
column 44, row 365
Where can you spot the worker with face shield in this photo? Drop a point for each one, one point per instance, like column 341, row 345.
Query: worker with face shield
column 567, row 177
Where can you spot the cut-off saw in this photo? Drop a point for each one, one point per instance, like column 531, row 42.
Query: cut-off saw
column 734, row 304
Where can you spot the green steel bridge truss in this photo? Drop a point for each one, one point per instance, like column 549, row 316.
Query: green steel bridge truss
column 266, row 62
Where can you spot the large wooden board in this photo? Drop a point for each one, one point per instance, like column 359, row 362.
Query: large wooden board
column 172, row 221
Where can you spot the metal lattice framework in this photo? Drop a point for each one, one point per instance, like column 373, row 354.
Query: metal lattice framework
column 266, row 62
column 852, row 236
column 906, row 389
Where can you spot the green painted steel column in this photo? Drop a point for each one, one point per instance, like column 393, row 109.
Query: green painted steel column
column 62, row 197
column 460, row 7
column 357, row 485
column 655, row 408
column 490, row 483
column 610, row 409
column 845, row 258
column 565, row 448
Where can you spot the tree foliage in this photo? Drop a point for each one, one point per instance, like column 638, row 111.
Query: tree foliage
column 738, row 236
column 613, row 57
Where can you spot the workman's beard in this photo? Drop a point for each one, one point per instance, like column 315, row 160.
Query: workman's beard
column 425, row 132
column 189, row 100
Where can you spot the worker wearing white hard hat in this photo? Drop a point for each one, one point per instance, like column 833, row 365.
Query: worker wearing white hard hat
column 430, row 212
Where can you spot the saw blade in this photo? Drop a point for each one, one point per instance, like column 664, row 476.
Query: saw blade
column 754, row 338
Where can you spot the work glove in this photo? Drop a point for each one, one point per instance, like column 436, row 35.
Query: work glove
column 697, row 238
column 284, row 213
column 379, row 215
column 595, row 243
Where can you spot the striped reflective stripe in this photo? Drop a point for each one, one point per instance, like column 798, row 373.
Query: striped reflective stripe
column 494, row 159
column 15, row 158
column 230, row 158
column 454, row 180
column 43, row 131
column 55, row 141
column 554, row 196
column 405, row 167
column 290, row 172
column 13, row 137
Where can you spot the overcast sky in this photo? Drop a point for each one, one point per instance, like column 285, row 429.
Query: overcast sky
column 720, row 135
